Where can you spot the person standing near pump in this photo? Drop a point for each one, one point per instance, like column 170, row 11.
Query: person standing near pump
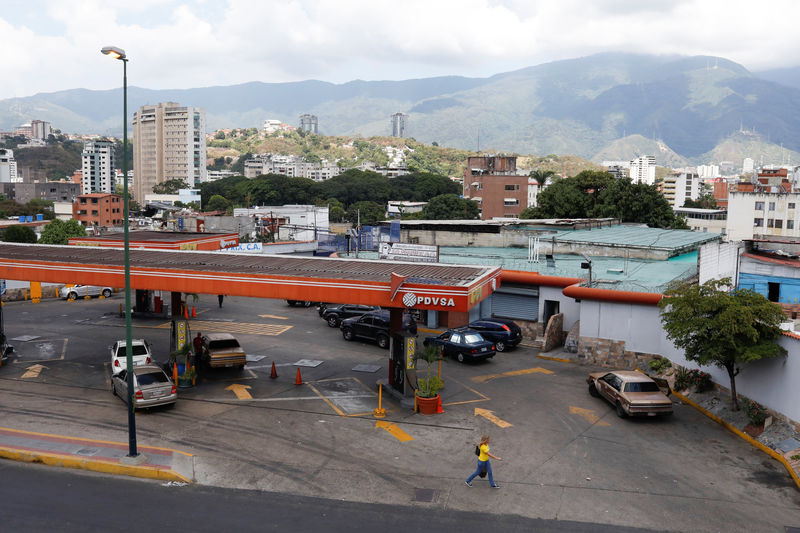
column 484, row 464
column 198, row 351
column 220, row 297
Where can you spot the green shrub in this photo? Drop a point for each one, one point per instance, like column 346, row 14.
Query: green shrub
column 682, row 380
column 756, row 412
column 701, row 380
column 659, row 364
column 795, row 457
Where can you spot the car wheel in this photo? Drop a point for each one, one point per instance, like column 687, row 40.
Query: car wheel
column 383, row 341
column 333, row 321
column 500, row 346
column 620, row 411
column 306, row 304
column 593, row 390
column 460, row 357
column 72, row 296
column 106, row 293
column 347, row 333
column 113, row 390
column 291, row 303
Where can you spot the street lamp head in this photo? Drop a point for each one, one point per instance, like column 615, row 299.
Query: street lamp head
column 113, row 51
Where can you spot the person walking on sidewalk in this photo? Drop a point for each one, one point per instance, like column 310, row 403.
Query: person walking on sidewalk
column 220, row 297
column 484, row 464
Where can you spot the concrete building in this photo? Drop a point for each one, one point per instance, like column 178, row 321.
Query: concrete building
column 399, row 125
column 704, row 220
column 681, row 187
column 40, row 129
column 97, row 167
column 643, row 169
column 309, row 123
column 287, row 222
column 289, row 165
column 8, row 166
column 747, row 165
column 98, row 210
column 762, row 215
column 184, row 196
column 169, row 142
column 54, row 191
column 708, row 171
column 493, row 182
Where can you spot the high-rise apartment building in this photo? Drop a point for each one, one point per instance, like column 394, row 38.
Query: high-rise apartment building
column 643, row 169
column 309, row 123
column 681, row 187
column 40, row 129
column 8, row 166
column 97, row 167
column 399, row 124
column 169, row 142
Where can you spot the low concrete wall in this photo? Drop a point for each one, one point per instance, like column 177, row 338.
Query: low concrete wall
column 19, row 294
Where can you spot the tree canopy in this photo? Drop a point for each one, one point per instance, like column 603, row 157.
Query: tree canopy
column 19, row 233
column 449, row 207
column 59, row 232
column 598, row 194
column 719, row 327
column 170, row 186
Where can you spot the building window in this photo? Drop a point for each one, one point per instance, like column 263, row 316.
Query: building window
column 759, row 206
column 790, row 224
column 772, row 206
column 791, row 205
column 779, row 223
column 770, row 223
column 512, row 187
column 510, row 201
column 758, row 222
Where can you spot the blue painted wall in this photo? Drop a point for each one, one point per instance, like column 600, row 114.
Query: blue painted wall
column 789, row 287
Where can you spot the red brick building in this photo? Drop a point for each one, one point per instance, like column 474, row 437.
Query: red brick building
column 98, row 209
column 492, row 182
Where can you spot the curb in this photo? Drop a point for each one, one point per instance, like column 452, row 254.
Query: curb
column 559, row 359
column 744, row 436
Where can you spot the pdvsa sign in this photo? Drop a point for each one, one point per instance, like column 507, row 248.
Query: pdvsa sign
column 411, row 300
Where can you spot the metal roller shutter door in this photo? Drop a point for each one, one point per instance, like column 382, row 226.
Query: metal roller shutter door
column 521, row 307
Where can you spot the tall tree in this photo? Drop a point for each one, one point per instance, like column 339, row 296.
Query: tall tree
column 170, row 186
column 59, row 232
column 367, row 213
column 541, row 176
column 19, row 233
column 449, row 207
column 719, row 327
column 217, row 203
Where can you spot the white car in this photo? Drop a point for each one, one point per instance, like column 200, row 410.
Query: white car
column 140, row 352
column 80, row 291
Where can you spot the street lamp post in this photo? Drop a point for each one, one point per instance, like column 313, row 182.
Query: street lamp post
column 119, row 53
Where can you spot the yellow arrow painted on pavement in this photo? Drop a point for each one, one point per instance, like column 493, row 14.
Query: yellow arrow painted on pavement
column 394, row 431
column 535, row 370
column 489, row 415
column 588, row 415
column 274, row 316
column 240, row 391
column 33, row 371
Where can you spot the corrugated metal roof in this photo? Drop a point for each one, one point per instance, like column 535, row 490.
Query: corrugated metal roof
column 299, row 267
column 635, row 236
column 157, row 236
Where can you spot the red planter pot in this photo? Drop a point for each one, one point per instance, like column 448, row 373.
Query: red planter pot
column 427, row 406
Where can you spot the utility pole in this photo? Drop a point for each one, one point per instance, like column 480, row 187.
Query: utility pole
column 358, row 231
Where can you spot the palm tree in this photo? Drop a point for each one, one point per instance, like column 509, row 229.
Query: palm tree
column 541, row 176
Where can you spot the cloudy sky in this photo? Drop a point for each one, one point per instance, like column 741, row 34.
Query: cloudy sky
column 53, row 45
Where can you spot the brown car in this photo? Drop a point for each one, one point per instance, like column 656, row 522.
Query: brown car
column 631, row 393
column 222, row 349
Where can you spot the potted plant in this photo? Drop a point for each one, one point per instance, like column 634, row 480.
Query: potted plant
column 187, row 378
column 180, row 357
column 428, row 387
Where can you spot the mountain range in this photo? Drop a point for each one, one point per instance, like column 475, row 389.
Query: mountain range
column 685, row 110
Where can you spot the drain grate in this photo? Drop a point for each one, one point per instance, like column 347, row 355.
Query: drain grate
column 425, row 495
column 87, row 451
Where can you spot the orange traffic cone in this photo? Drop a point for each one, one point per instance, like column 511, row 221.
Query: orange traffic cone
column 194, row 315
column 186, row 313
column 175, row 372
column 298, row 380
column 274, row 373
column 439, row 409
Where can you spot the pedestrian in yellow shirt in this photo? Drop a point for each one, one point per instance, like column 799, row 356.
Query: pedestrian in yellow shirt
column 484, row 464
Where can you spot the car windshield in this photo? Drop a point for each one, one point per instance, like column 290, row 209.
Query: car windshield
column 151, row 378
column 472, row 338
column 136, row 349
column 646, row 386
column 224, row 344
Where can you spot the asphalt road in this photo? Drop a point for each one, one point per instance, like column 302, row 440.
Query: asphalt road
column 567, row 457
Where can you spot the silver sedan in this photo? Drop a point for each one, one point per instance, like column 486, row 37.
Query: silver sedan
column 151, row 387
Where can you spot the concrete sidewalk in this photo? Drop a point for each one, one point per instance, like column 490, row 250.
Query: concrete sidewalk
column 99, row 456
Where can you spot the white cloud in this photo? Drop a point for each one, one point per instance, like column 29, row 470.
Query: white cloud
column 53, row 45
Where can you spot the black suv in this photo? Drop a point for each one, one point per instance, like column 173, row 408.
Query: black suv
column 374, row 326
column 334, row 314
column 505, row 334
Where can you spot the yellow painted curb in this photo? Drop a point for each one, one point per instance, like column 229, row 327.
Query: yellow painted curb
column 559, row 359
column 769, row 451
column 107, row 467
